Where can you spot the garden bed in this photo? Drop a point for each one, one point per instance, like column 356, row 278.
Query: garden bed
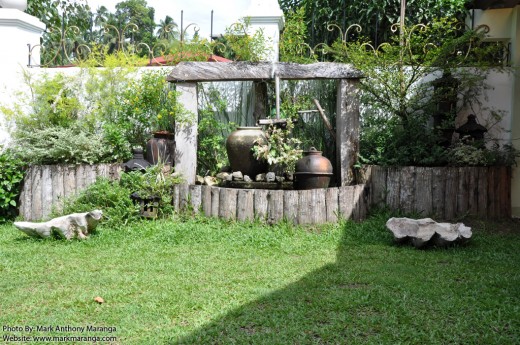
column 442, row 192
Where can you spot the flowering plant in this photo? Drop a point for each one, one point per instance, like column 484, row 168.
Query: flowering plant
column 150, row 104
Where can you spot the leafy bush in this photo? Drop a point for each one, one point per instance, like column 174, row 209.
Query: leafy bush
column 212, row 134
column 397, row 99
column 113, row 197
column 157, row 181
column 237, row 44
column 282, row 148
column 11, row 177
column 477, row 154
column 53, row 145
column 109, row 196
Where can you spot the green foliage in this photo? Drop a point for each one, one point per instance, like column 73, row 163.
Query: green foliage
column 239, row 45
column 109, row 196
column 53, row 102
column 54, row 145
column 477, row 154
column 375, row 17
column 113, row 197
column 397, row 98
column 11, row 177
column 157, row 181
column 385, row 140
column 94, row 116
column 282, row 149
column 212, row 134
column 293, row 42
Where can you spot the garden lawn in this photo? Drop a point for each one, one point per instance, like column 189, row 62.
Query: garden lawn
column 208, row 281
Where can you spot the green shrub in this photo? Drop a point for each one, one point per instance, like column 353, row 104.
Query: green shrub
column 212, row 133
column 113, row 197
column 110, row 197
column 54, row 145
column 11, row 177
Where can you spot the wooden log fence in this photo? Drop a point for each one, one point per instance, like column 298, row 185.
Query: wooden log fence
column 315, row 206
column 442, row 192
column 445, row 193
column 46, row 186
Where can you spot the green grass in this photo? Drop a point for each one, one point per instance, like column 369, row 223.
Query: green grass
column 208, row 281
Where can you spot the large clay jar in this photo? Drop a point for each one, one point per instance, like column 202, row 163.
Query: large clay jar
column 161, row 148
column 239, row 146
column 312, row 171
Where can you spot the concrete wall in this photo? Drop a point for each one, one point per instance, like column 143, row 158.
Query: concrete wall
column 504, row 26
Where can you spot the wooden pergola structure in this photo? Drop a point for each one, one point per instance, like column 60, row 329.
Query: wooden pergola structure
column 186, row 75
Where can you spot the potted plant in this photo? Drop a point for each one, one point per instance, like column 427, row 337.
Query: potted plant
column 153, row 188
column 281, row 151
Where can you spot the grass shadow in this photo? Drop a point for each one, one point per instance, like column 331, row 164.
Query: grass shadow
column 378, row 292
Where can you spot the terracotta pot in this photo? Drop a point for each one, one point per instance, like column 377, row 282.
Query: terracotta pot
column 239, row 146
column 312, row 170
column 161, row 148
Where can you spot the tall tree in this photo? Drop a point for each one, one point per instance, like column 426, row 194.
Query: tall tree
column 168, row 29
column 138, row 13
column 375, row 17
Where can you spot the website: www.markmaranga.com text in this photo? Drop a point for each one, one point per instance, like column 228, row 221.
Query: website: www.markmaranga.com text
column 16, row 333
column 29, row 338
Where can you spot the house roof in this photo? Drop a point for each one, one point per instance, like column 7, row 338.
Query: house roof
column 492, row 4
column 176, row 58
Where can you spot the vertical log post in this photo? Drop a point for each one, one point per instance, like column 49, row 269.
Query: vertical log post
column 186, row 133
column 347, row 130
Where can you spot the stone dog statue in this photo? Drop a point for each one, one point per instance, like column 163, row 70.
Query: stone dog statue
column 69, row 226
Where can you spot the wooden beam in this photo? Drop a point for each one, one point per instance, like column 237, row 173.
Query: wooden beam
column 193, row 71
column 186, row 134
column 347, row 130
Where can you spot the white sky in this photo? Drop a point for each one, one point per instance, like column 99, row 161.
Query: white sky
column 225, row 12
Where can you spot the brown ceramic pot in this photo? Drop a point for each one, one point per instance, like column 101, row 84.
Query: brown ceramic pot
column 239, row 146
column 161, row 148
column 312, row 171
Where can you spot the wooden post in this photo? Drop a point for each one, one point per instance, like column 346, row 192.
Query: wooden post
column 260, row 100
column 245, row 204
column 206, row 200
column 347, row 129
column 196, row 198
column 473, row 191
column 438, row 192
column 46, row 190
column 423, row 191
column 290, row 205
column 407, row 194
column 57, row 187
column 186, row 133
column 452, row 185
column 332, row 205
column 482, row 190
column 393, row 195
column 463, row 191
column 228, row 203
column 260, row 204
column 36, row 205
column 275, row 206
column 306, row 206
column 346, row 202
column 377, row 181
column 215, row 201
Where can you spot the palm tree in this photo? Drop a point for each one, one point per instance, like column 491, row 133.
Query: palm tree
column 168, row 29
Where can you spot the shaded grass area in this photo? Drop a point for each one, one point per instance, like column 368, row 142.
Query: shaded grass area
column 208, row 281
